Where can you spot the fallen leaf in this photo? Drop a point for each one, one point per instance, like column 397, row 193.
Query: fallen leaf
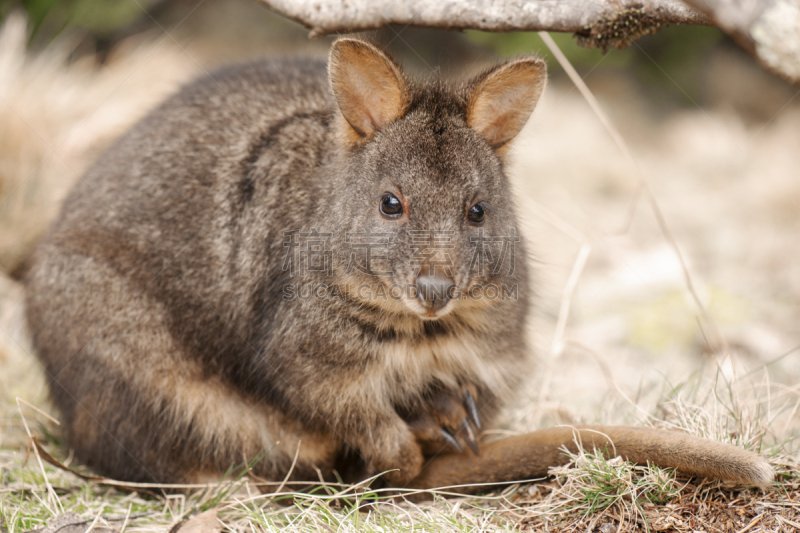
column 72, row 523
column 201, row 523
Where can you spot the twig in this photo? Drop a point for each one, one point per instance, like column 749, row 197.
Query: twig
column 51, row 492
column 569, row 289
column 291, row 468
column 127, row 515
column 96, row 518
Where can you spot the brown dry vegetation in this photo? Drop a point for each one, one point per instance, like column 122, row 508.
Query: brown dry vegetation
column 636, row 347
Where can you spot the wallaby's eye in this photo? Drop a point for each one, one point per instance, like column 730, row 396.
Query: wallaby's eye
column 391, row 206
column 476, row 214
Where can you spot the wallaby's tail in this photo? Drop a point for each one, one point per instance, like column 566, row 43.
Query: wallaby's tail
column 529, row 456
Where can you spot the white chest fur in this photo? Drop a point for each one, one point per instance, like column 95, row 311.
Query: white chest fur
column 407, row 366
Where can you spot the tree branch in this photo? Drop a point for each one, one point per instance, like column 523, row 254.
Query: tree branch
column 768, row 29
column 579, row 16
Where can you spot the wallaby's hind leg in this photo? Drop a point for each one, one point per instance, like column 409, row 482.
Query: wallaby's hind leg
column 529, row 456
column 134, row 405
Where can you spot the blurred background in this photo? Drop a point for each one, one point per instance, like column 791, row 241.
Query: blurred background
column 716, row 137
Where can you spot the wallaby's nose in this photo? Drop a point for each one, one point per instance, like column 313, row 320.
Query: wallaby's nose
column 434, row 288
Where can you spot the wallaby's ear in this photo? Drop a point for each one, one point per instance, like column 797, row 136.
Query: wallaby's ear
column 504, row 98
column 368, row 87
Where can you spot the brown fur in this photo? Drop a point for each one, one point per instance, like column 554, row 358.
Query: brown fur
column 514, row 457
column 368, row 87
column 501, row 104
column 178, row 343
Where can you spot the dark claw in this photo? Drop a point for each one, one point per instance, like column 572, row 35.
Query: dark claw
column 473, row 410
column 470, row 436
column 451, row 439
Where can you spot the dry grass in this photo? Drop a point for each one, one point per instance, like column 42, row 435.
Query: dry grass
column 589, row 494
column 621, row 339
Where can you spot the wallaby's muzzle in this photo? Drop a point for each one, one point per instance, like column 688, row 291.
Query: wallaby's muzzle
column 434, row 289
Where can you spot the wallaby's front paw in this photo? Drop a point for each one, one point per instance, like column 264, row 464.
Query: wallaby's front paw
column 449, row 422
column 403, row 466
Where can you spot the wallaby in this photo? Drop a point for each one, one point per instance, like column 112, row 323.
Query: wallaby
column 327, row 267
